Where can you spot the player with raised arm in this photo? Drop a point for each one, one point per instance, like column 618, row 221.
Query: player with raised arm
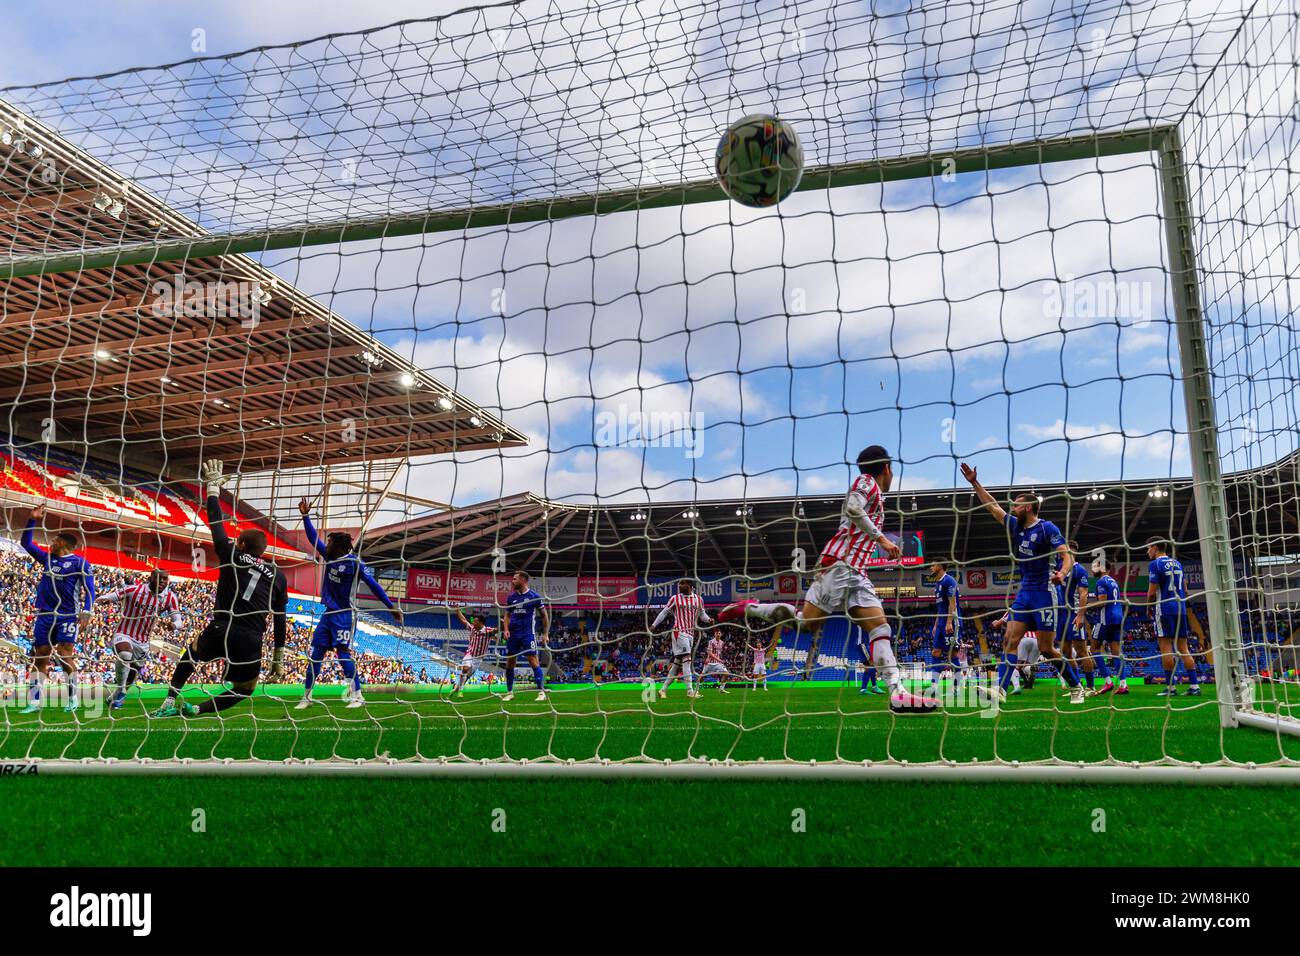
column 344, row 574
column 523, row 605
column 1167, row 601
column 142, row 604
column 687, row 609
column 714, row 666
column 946, row 631
column 64, row 596
column 1071, row 622
column 249, row 589
column 480, row 636
column 758, row 667
column 841, row 584
column 1108, row 638
column 1033, row 542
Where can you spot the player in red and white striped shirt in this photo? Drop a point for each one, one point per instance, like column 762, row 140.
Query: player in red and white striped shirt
column 714, row 666
column 480, row 636
column 841, row 585
column 142, row 604
column 687, row 609
column 758, row 669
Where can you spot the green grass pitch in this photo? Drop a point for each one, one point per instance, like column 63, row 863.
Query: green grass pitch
column 422, row 821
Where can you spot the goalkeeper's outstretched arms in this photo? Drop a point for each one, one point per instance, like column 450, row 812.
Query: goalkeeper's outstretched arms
column 213, row 476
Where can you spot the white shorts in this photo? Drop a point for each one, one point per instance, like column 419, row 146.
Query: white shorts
column 1028, row 651
column 839, row 588
column 682, row 645
column 759, row 668
column 470, row 662
column 137, row 646
column 715, row 667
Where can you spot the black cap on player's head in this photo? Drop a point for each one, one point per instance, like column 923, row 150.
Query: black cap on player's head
column 873, row 460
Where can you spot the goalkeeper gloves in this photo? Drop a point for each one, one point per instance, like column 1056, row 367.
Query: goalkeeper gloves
column 277, row 662
column 213, row 476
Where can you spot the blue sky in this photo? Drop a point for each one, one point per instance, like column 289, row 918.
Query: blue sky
column 1017, row 319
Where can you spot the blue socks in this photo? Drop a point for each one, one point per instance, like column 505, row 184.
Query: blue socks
column 1005, row 668
column 539, row 676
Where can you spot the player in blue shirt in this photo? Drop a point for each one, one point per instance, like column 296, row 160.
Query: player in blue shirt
column 64, row 598
column 1108, row 637
column 344, row 572
column 1033, row 541
column 946, row 632
column 1071, row 622
column 1168, row 602
column 523, row 605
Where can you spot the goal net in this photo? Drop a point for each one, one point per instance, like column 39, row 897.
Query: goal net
column 465, row 290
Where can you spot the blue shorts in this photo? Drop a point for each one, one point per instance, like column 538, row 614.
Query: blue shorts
column 1035, row 608
column 1066, row 629
column 943, row 641
column 333, row 631
column 1109, row 633
column 520, row 645
column 1173, row 627
column 54, row 629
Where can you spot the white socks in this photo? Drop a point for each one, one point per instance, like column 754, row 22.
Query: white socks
column 882, row 655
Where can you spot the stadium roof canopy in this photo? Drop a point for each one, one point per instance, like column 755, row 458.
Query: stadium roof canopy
column 757, row 537
column 161, row 365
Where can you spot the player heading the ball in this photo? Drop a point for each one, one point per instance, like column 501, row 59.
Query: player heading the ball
column 841, row 585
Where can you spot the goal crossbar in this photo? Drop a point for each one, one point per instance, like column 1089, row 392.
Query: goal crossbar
column 834, row 176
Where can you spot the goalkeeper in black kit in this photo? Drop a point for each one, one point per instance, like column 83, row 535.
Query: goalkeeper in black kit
column 249, row 587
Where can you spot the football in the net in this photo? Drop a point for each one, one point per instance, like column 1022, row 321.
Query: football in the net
column 759, row 161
